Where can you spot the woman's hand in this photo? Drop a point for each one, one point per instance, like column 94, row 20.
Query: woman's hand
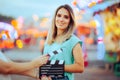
column 39, row 61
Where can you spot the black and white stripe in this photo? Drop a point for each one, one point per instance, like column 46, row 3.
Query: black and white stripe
column 56, row 62
column 51, row 54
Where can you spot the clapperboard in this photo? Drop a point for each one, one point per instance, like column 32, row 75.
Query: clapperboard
column 54, row 68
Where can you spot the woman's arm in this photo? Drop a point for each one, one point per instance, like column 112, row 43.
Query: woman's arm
column 78, row 66
column 11, row 67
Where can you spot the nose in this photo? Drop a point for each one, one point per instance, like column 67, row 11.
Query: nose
column 61, row 19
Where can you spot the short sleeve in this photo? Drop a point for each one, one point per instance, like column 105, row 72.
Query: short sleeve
column 74, row 41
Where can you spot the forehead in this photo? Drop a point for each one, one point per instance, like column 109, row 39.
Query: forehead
column 63, row 11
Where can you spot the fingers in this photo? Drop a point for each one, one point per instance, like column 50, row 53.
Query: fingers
column 37, row 79
column 44, row 59
column 49, row 78
column 45, row 78
column 39, row 61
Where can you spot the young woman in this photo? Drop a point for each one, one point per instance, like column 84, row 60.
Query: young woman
column 61, row 36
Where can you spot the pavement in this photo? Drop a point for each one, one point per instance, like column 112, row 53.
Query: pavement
column 95, row 70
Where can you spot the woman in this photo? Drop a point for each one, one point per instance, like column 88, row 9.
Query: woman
column 27, row 68
column 61, row 36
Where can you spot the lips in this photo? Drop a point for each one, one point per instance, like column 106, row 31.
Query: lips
column 60, row 24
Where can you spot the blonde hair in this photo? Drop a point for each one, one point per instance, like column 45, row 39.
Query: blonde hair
column 52, row 34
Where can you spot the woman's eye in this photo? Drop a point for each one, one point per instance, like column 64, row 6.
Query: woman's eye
column 58, row 15
column 66, row 17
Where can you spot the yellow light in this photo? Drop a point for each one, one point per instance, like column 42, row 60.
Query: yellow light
column 117, row 31
column 15, row 24
column 107, row 31
column 92, row 4
column 0, row 35
column 93, row 23
column 19, row 43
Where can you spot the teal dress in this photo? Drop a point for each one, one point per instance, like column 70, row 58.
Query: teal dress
column 66, row 55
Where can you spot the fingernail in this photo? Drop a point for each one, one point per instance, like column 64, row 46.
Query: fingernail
column 43, row 75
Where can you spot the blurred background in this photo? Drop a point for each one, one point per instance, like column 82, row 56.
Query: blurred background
column 24, row 25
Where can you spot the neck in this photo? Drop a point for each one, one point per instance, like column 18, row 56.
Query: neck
column 59, row 32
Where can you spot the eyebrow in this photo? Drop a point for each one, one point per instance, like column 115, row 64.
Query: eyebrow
column 60, row 14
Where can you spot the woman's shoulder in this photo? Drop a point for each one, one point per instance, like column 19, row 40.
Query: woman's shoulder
column 75, row 39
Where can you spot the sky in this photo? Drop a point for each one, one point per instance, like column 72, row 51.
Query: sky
column 42, row 8
column 27, row 8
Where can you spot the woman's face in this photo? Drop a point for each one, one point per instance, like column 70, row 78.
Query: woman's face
column 62, row 19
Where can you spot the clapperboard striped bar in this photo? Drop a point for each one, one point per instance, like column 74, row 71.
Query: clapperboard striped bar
column 54, row 68
column 51, row 54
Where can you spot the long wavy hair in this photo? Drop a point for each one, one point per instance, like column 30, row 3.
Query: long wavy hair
column 52, row 34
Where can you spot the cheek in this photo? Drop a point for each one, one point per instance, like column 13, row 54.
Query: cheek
column 56, row 20
column 68, row 22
